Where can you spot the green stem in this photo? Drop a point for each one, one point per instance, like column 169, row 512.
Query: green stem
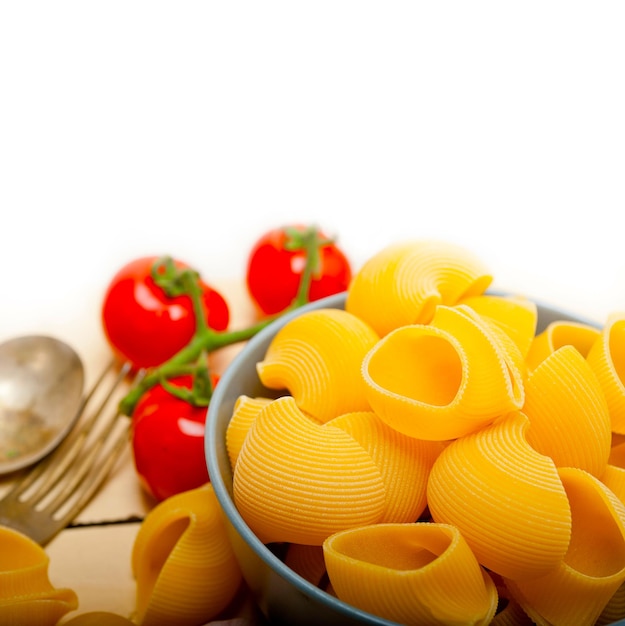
column 206, row 340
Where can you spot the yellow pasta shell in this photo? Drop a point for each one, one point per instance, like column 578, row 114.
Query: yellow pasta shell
column 404, row 463
column 614, row 610
column 506, row 499
column 405, row 282
column 244, row 413
column 317, row 357
column 443, row 380
column 613, row 478
column 558, row 334
column 579, row 587
column 421, row 573
column 26, row 594
column 183, row 563
column 515, row 315
column 299, row 481
column 607, row 359
column 569, row 418
column 307, row 562
column 509, row 611
column 617, row 453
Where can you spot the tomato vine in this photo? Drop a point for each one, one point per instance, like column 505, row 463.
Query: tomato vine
column 193, row 358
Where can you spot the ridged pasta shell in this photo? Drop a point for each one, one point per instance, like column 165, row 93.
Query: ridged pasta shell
column 26, row 594
column 614, row 610
column 607, row 359
column 307, row 562
column 579, row 587
column 298, row 481
column 443, row 380
column 569, row 418
column 617, row 453
column 515, row 315
column 244, row 413
column 506, row 499
column 412, row 279
column 613, row 478
column 558, row 334
column 183, row 563
column 413, row 574
column 404, row 463
column 509, row 611
column 317, row 357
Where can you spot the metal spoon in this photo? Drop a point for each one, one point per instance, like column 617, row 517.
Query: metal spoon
column 41, row 387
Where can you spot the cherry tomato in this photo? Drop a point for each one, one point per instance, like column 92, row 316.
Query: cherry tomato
column 274, row 272
column 168, row 441
column 143, row 324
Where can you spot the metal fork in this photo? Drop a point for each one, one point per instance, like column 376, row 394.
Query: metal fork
column 50, row 496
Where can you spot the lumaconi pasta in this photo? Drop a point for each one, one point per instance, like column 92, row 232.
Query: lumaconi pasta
column 579, row 587
column 299, row 481
column 470, row 486
column 445, row 379
column 614, row 479
column 404, row 463
column 183, row 563
column 26, row 594
column 515, row 315
column 413, row 574
column 569, row 419
column 404, row 283
column 558, row 334
column 607, row 359
column 317, row 358
column 307, row 561
column 246, row 410
column 512, row 443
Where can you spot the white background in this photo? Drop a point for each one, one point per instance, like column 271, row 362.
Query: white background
column 188, row 128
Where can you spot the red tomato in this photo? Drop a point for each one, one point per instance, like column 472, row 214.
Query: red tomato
column 274, row 272
column 145, row 326
column 168, row 442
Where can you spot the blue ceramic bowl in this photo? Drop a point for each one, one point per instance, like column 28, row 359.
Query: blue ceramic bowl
column 283, row 596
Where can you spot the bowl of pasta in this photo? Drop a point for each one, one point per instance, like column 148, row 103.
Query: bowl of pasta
column 433, row 452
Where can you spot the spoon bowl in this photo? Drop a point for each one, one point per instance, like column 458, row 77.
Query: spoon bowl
column 41, row 388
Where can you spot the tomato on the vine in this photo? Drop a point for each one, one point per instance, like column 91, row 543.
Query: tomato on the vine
column 276, row 263
column 168, row 441
column 143, row 324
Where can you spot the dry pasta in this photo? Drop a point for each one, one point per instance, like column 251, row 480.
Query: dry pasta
column 569, row 418
column 515, row 315
column 244, row 413
column 445, row 379
column 404, row 463
column 614, row 610
column 558, row 334
column 613, row 478
column 470, row 486
column 183, row 563
column 512, row 443
column 317, row 358
column 413, row 574
column 411, row 279
column 307, row 561
column 607, row 359
column 299, row 481
column 26, row 594
column 579, row 587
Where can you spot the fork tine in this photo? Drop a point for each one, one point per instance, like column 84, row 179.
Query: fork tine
column 52, row 494
column 70, row 447
column 74, row 456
